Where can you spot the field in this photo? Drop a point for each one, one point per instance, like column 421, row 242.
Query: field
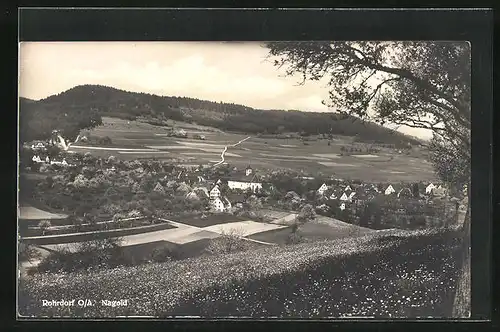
column 408, row 274
column 132, row 140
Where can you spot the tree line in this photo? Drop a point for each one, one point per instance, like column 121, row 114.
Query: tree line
column 84, row 105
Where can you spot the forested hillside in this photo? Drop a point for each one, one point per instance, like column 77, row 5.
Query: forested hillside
column 85, row 104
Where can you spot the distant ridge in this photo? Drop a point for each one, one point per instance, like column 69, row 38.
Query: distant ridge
column 112, row 102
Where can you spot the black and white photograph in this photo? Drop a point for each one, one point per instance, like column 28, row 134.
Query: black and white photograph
column 279, row 179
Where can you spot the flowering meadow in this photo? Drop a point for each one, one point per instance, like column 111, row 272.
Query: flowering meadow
column 386, row 274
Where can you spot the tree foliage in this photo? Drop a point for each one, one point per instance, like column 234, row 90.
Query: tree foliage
column 416, row 84
column 37, row 119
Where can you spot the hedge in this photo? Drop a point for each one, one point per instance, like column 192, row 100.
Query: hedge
column 399, row 274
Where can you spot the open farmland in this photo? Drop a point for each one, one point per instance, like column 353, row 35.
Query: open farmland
column 132, row 140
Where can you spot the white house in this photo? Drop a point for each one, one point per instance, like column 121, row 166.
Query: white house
column 348, row 188
column 243, row 185
column 47, row 159
column 248, row 171
column 37, row 159
column 217, row 205
column 342, row 207
column 389, row 190
column 430, row 188
column 344, row 197
column 322, row 189
column 351, row 195
column 215, row 192
column 201, row 179
column 333, row 196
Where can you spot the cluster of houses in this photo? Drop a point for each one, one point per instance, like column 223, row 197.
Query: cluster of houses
column 47, row 160
column 226, row 192
column 350, row 193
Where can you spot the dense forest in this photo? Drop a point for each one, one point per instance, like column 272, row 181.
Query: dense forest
column 83, row 106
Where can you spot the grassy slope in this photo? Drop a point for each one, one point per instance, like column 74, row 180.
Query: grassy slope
column 411, row 274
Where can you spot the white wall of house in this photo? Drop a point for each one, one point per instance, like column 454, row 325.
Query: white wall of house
column 217, row 205
column 323, row 188
column 215, row 192
column 389, row 190
column 254, row 186
column 429, row 188
column 248, row 171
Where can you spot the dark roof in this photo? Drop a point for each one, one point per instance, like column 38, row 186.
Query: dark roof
column 242, row 177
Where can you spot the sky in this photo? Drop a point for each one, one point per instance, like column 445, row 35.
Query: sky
column 229, row 72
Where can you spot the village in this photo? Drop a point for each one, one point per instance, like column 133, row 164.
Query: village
column 227, row 189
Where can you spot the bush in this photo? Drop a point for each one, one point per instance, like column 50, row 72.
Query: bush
column 43, row 225
column 88, row 255
column 227, row 243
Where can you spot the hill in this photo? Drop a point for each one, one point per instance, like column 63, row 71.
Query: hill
column 111, row 102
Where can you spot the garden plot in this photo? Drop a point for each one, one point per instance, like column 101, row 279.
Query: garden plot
column 32, row 213
column 243, row 228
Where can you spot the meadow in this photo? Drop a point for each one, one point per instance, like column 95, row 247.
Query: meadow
column 135, row 140
column 400, row 274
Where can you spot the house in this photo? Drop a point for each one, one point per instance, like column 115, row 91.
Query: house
column 217, row 205
column 348, row 188
column 201, row 179
column 430, row 188
column 333, row 196
column 248, row 170
column 215, row 192
column 322, row 189
column 47, row 159
column 37, row 159
column 344, row 197
column 389, row 190
column 342, row 207
column 351, row 195
column 245, row 182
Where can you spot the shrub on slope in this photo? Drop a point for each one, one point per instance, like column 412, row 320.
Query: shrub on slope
column 410, row 274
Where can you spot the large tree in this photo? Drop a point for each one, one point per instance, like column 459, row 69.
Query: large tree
column 415, row 84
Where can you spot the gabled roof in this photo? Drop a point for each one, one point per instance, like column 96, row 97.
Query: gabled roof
column 242, row 177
